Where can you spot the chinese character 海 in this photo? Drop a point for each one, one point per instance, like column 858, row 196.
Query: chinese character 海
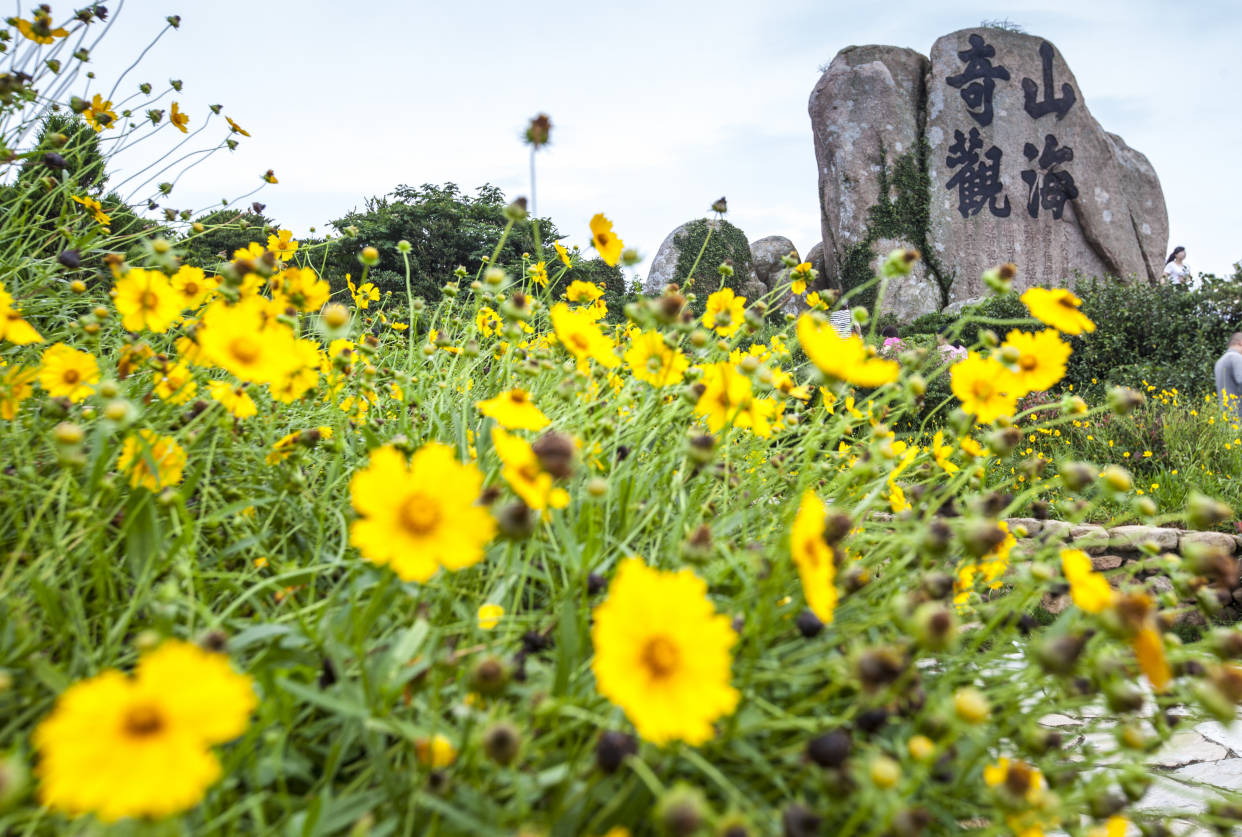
column 1047, row 185
column 977, row 182
column 1050, row 104
column 977, row 81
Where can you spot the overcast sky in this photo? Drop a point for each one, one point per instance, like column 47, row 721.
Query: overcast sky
column 658, row 108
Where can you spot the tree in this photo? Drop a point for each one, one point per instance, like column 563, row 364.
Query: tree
column 445, row 228
column 227, row 230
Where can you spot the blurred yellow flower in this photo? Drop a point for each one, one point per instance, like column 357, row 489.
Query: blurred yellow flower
column 1089, row 590
column 1057, row 308
column 814, row 558
column 175, row 383
column 95, row 208
column 562, row 254
column 982, row 385
column 725, row 312
column 845, row 359
column 235, row 399
column 12, row 327
column 1040, row 361
column 282, row 245
column 146, row 449
column 605, row 241
column 435, row 752
column 654, row 361
column 489, row 616
column 139, row 746
column 514, row 410
column 524, row 474
column 577, row 332
column 15, row 387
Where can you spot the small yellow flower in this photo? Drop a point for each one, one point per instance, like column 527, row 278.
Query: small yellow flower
column 606, row 242
column 235, row 399
column 562, row 254
column 654, row 361
column 235, row 128
column 436, row 752
column 282, row 245
column 1057, row 308
column 724, row 312
column 15, row 387
column 983, row 385
column 178, row 119
column 1089, row 590
column 147, row 301
column 577, row 332
column 845, row 359
column 514, row 410
column 67, row 372
column 99, row 115
column 814, row 557
column 146, row 449
column 95, row 208
column 40, row 29
column 489, row 616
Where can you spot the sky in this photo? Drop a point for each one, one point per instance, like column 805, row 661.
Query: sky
column 658, row 108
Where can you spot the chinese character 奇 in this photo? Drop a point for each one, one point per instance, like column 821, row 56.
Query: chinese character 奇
column 977, row 81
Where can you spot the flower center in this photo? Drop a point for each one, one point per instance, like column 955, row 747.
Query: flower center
column 517, row 397
column 244, row 348
column 603, row 239
column 419, row 514
column 983, row 389
column 660, row 657
column 191, row 289
column 142, row 721
column 150, row 301
column 1028, row 362
column 72, row 376
column 580, row 342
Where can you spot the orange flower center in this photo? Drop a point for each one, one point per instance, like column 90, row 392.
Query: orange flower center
column 190, row 289
column 580, row 342
column 602, row 239
column 71, row 376
column 518, row 397
column 983, row 389
column 142, row 721
column 245, row 348
column 1028, row 362
column 420, row 514
column 150, row 300
column 660, row 657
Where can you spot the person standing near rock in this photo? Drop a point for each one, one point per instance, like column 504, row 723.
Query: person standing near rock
column 1228, row 373
column 1175, row 270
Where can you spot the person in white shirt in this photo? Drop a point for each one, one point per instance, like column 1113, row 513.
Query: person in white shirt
column 1175, row 270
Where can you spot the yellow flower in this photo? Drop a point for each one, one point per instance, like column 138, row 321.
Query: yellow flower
column 419, row 516
column 40, row 29
column 654, row 361
column 178, row 119
column 239, row 339
column 941, row 453
column 193, row 286
column 1041, row 359
column 120, row 746
column 1089, row 590
column 234, row 128
column 303, row 377
column 577, row 332
column 814, row 557
column 579, row 291
column 514, row 410
column 15, row 387
column 282, row 245
column 798, row 286
column 728, row 400
column 487, row 321
column 284, row 445
column 1025, row 777
column 435, row 752
column 1058, row 308
column 662, row 653
column 99, row 114
column 1149, row 651
column 95, row 208
column 365, row 295
column 67, row 372
column 489, row 616
column 605, row 241
column 524, row 473
column 146, row 301
column 12, row 327
column 814, row 300
column 300, row 288
column 844, row 359
column 234, row 398
column 725, row 312
column 175, row 383
column 539, row 273
column 146, row 449
column 562, row 254
column 983, row 386
column 1116, row 826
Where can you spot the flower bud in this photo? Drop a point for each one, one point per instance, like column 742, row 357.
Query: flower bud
column 1204, row 512
column 1122, row 400
column 335, row 316
column 971, row 705
column 921, row 748
column 1078, row 475
column 612, row 748
column 877, row 667
column 369, row 256
column 68, row 434
column 682, row 810
column 1117, row 478
column 1059, row 654
column 900, row 262
column 808, row 624
column 1000, row 279
column 1002, row 442
column 982, row 536
column 501, row 742
column 935, row 626
column 14, row 781
column 597, row 487
column 884, row 772
column 489, row 676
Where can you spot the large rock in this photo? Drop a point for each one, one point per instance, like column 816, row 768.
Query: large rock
column 766, row 254
column 1017, row 169
column 1022, row 171
column 910, row 296
column 664, row 265
column 864, row 114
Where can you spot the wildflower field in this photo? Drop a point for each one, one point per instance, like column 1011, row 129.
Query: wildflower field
column 283, row 560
